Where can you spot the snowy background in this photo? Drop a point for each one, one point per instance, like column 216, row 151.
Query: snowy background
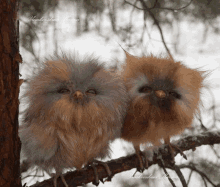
column 192, row 51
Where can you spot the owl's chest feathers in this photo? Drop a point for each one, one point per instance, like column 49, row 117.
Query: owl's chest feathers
column 149, row 124
column 82, row 144
column 134, row 126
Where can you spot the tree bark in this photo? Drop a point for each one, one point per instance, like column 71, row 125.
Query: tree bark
column 9, row 91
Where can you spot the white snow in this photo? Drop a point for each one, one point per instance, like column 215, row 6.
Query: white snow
column 193, row 52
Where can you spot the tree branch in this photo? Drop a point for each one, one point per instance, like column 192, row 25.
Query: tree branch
column 158, row 26
column 193, row 168
column 180, row 175
column 154, row 6
column 83, row 176
column 166, row 173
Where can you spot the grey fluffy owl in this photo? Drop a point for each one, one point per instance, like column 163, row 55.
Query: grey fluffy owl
column 75, row 109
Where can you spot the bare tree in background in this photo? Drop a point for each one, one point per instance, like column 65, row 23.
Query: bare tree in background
column 78, row 17
column 160, row 14
column 112, row 10
column 92, row 7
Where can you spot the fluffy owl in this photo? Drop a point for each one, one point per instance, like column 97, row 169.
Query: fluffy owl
column 164, row 98
column 75, row 109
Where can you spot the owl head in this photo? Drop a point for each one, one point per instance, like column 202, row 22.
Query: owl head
column 164, row 94
column 69, row 93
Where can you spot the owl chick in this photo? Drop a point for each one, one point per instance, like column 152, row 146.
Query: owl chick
column 164, row 98
column 75, row 109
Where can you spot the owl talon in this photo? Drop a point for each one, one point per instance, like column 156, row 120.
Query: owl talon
column 175, row 147
column 171, row 151
column 181, row 152
column 140, row 168
column 108, row 171
column 109, row 179
column 102, row 181
column 62, row 178
column 143, row 161
column 96, row 182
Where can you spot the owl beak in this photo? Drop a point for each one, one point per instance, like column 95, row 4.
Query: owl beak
column 160, row 94
column 78, row 95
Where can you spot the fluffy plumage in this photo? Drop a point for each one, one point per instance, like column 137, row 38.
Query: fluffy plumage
column 75, row 109
column 164, row 98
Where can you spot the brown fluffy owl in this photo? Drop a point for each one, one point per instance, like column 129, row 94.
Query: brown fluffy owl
column 75, row 109
column 164, row 98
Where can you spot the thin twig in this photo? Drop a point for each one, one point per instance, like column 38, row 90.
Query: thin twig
column 190, row 175
column 215, row 152
column 158, row 26
column 192, row 167
column 154, row 6
column 213, row 108
column 164, row 8
column 166, row 173
column 204, row 181
column 134, row 5
column 130, row 22
column 180, row 175
column 175, row 9
column 201, row 122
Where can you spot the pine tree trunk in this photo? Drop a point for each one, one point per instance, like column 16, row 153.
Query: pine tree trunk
column 9, row 90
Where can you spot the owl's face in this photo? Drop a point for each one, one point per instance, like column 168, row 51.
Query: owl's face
column 163, row 92
column 77, row 92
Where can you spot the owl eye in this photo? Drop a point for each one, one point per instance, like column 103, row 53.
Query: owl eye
column 175, row 95
column 91, row 91
column 145, row 89
column 63, row 90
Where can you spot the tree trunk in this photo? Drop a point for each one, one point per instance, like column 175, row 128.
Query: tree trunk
column 78, row 17
column 9, row 90
column 112, row 14
column 86, row 22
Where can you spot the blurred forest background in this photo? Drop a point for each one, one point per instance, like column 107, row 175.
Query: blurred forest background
column 140, row 27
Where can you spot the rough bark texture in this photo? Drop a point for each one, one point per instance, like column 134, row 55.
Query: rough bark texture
column 9, row 90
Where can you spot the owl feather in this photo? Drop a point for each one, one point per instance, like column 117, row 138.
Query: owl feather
column 75, row 108
column 164, row 94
